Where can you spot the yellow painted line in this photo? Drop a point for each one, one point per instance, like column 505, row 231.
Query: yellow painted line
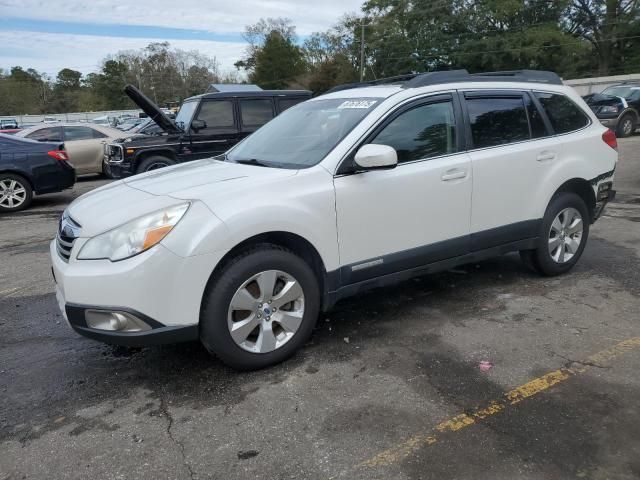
column 513, row 397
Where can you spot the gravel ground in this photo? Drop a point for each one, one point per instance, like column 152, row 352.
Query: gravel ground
column 408, row 382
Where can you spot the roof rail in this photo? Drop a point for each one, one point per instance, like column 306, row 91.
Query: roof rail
column 533, row 76
column 413, row 80
column 382, row 81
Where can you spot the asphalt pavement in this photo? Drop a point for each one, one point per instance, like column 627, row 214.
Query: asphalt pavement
column 487, row 371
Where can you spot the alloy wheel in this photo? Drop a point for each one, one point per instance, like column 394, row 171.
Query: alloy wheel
column 266, row 311
column 12, row 193
column 565, row 235
column 627, row 127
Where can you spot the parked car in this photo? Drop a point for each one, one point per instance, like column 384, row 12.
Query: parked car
column 206, row 125
column 105, row 121
column 9, row 131
column 8, row 123
column 28, row 167
column 147, row 127
column 130, row 123
column 617, row 107
column 355, row 189
column 84, row 142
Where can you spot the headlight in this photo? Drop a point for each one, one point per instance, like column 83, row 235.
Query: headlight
column 609, row 109
column 133, row 237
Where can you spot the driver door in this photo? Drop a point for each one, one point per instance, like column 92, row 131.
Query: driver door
column 220, row 132
column 416, row 213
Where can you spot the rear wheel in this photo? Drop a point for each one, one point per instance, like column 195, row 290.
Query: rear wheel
column 154, row 162
column 626, row 126
column 15, row 192
column 565, row 229
column 260, row 308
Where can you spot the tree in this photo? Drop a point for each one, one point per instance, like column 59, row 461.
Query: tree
column 610, row 26
column 277, row 63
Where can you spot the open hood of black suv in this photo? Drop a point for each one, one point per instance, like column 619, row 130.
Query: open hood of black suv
column 151, row 109
column 599, row 99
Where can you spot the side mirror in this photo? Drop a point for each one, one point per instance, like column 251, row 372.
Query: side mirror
column 376, row 157
column 197, row 125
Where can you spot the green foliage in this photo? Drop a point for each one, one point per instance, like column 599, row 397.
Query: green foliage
column 163, row 74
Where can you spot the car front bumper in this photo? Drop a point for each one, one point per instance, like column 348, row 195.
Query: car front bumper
column 148, row 299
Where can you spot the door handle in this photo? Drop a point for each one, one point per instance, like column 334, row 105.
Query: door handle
column 546, row 156
column 453, row 175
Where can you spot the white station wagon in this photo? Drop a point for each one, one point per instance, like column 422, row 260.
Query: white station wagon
column 358, row 188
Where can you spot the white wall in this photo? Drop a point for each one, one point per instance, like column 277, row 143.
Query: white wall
column 69, row 117
column 585, row 86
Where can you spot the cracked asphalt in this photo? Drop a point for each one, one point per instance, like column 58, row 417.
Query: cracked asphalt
column 382, row 371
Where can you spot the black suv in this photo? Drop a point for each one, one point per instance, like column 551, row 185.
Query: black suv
column 206, row 125
column 617, row 107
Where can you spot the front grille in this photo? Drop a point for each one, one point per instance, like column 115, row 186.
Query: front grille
column 68, row 232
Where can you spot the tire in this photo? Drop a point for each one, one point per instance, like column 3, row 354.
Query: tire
column 153, row 163
column 227, row 290
column 626, row 126
column 562, row 238
column 15, row 193
column 106, row 171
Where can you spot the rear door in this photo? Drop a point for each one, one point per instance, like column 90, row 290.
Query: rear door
column 85, row 148
column 221, row 131
column 254, row 112
column 511, row 151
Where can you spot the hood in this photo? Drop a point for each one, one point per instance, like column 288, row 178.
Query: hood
column 151, row 109
column 112, row 205
column 599, row 100
column 180, row 181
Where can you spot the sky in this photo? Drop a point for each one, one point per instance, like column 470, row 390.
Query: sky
column 49, row 35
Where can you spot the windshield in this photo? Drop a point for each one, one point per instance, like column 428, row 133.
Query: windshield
column 303, row 135
column 623, row 91
column 183, row 118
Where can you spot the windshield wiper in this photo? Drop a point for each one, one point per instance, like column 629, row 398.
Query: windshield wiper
column 251, row 161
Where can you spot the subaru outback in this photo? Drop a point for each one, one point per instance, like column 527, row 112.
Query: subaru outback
column 359, row 188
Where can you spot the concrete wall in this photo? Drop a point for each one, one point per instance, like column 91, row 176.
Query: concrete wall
column 585, row 86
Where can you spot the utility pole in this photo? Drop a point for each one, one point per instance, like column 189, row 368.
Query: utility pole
column 362, row 51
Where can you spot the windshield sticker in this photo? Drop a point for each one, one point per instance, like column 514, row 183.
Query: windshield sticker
column 357, row 104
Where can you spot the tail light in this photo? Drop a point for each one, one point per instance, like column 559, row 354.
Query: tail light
column 609, row 137
column 59, row 155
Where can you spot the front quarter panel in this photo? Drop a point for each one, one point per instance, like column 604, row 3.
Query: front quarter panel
column 301, row 204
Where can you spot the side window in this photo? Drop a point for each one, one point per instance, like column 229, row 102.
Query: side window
column 49, row 134
column 284, row 103
column 564, row 115
column 217, row 114
column 256, row 112
column 497, row 120
column 422, row 132
column 97, row 134
column 77, row 133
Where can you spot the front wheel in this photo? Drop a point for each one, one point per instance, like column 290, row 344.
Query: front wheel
column 260, row 308
column 153, row 163
column 563, row 237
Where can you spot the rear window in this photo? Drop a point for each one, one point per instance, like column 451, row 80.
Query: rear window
column 497, row 120
column 78, row 133
column 564, row 115
column 49, row 134
column 256, row 112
